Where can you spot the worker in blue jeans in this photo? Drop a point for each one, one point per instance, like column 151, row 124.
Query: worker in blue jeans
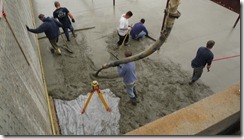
column 128, row 72
column 203, row 57
column 139, row 31
column 64, row 15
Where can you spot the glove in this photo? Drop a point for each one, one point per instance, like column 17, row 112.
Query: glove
column 129, row 28
column 116, row 65
column 27, row 27
column 73, row 20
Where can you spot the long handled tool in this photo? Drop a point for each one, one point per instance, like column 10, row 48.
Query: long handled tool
column 151, row 38
column 69, row 31
column 67, row 47
column 114, row 55
column 5, row 16
column 123, row 41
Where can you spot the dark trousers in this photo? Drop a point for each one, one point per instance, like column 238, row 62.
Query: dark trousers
column 197, row 73
column 54, row 43
column 66, row 32
column 121, row 39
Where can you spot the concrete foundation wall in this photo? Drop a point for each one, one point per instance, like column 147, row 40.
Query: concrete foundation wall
column 23, row 105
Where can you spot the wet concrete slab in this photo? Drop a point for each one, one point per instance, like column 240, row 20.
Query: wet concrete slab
column 200, row 21
column 163, row 77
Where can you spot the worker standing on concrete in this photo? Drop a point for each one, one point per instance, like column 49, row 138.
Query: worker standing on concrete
column 63, row 15
column 139, row 31
column 128, row 72
column 204, row 56
column 124, row 28
column 51, row 28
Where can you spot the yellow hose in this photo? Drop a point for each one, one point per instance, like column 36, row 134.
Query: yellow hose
column 43, row 75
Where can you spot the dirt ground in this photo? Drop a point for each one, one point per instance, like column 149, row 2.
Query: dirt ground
column 162, row 86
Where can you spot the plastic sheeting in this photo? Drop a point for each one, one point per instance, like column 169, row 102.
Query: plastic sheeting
column 95, row 121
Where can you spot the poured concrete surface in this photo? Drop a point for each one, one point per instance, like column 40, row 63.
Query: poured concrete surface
column 209, row 116
column 163, row 77
column 200, row 21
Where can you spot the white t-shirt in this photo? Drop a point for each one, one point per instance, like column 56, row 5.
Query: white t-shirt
column 123, row 25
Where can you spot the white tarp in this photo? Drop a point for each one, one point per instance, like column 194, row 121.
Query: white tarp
column 95, row 121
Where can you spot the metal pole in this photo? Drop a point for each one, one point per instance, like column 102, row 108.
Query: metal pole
column 4, row 14
column 165, row 14
column 69, row 31
column 236, row 21
column 114, row 2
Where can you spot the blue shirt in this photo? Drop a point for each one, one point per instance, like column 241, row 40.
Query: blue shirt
column 128, row 72
column 204, row 56
column 137, row 28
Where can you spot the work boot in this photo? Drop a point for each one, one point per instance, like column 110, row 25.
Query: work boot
column 74, row 35
column 116, row 46
column 52, row 50
column 59, row 51
column 68, row 39
column 190, row 83
column 134, row 91
column 133, row 101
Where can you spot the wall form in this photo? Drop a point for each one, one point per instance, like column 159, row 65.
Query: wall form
column 23, row 105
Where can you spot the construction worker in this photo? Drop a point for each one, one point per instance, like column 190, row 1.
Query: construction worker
column 204, row 56
column 124, row 28
column 128, row 72
column 51, row 28
column 63, row 15
column 139, row 31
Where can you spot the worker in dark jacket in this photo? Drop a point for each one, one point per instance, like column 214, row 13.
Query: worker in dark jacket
column 51, row 28
column 139, row 31
column 203, row 57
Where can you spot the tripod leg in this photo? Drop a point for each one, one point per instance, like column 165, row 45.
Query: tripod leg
column 103, row 101
column 88, row 100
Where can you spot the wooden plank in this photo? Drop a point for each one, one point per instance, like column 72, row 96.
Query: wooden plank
column 54, row 115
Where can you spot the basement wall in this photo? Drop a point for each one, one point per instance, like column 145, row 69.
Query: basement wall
column 23, row 105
